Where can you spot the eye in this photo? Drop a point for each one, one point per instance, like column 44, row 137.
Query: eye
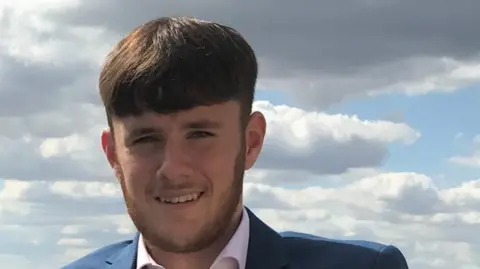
column 146, row 139
column 199, row 134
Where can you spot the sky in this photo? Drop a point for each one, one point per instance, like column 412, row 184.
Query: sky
column 372, row 112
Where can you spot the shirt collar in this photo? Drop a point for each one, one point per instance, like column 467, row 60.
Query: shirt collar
column 143, row 258
column 236, row 248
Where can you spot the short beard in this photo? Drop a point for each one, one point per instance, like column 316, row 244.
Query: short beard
column 219, row 226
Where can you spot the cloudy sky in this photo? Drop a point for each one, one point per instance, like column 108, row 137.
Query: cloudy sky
column 372, row 108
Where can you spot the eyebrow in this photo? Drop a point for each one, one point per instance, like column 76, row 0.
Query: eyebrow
column 198, row 124
column 142, row 131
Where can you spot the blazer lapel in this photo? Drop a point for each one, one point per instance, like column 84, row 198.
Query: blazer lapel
column 126, row 258
column 265, row 246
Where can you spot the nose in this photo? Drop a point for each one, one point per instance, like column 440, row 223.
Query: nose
column 175, row 162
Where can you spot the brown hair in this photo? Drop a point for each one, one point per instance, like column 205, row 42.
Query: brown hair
column 177, row 63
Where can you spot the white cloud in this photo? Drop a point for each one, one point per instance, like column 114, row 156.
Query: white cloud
column 71, row 229
column 308, row 127
column 72, row 242
column 78, row 189
column 326, row 144
column 472, row 160
column 466, row 195
column 412, row 76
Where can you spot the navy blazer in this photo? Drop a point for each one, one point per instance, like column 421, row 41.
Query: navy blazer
column 268, row 249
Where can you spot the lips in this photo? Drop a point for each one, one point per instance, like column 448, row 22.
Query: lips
column 180, row 199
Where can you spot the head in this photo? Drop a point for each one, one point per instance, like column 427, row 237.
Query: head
column 178, row 96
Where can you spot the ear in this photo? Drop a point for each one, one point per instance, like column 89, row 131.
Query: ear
column 254, row 137
column 108, row 146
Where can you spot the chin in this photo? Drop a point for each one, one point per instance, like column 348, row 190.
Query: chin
column 182, row 240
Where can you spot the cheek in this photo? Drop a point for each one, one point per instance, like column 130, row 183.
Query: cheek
column 219, row 167
column 136, row 174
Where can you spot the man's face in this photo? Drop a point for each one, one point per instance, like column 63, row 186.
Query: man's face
column 182, row 173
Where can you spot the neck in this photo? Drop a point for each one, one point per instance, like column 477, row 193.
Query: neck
column 202, row 259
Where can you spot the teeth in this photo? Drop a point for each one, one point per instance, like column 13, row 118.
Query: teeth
column 180, row 199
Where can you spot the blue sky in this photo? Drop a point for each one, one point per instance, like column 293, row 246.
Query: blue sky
column 438, row 116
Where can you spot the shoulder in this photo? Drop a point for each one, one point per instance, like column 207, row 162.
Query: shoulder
column 97, row 259
column 310, row 249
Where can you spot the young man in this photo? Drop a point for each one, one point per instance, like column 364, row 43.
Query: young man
column 178, row 95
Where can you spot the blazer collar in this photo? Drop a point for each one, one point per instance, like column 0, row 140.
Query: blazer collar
column 125, row 258
column 265, row 249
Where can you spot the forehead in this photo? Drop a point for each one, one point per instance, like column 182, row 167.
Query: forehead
column 224, row 114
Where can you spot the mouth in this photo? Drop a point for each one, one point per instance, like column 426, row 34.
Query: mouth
column 183, row 199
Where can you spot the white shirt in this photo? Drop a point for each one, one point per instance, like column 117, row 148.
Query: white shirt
column 233, row 256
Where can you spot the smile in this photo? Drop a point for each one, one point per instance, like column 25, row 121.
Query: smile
column 192, row 197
